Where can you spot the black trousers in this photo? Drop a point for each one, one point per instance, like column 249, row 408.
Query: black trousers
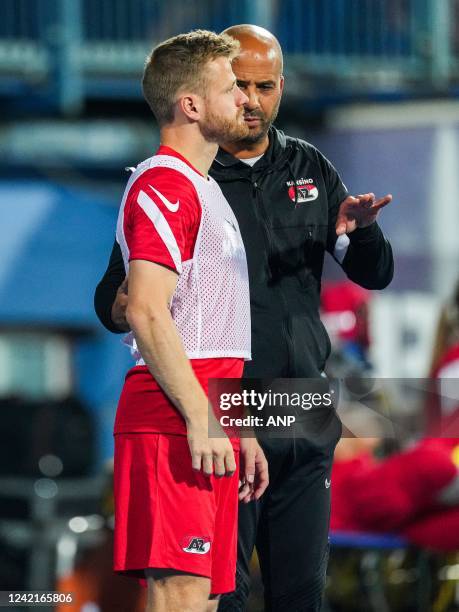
column 289, row 524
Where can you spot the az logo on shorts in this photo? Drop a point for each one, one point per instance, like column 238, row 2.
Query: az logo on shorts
column 196, row 545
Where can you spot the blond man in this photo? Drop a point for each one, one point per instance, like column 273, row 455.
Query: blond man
column 176, row 492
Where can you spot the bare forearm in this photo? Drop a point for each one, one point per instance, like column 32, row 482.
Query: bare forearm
column 151, row 288
column 162, row 349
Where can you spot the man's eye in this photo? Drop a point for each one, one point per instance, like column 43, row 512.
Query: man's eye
column 267, row 86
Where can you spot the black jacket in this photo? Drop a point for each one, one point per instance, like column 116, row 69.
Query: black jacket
column 286, row 206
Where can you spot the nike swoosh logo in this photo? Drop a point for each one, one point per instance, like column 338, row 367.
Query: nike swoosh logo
column 172, row 207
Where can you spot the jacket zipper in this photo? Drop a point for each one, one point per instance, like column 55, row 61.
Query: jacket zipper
column 286, row 328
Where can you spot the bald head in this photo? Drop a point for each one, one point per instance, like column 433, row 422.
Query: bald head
column 258, row 69
column 257, row 43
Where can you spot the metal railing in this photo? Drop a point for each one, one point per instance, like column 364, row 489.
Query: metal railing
column 350, row 34
column 68, row 49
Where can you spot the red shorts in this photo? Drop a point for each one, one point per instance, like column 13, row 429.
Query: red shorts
column 169, row 516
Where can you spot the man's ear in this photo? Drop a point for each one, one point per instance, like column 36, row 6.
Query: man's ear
column 191, row 106
column 282, row 81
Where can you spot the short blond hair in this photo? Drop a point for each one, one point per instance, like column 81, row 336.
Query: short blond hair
column 179, row 63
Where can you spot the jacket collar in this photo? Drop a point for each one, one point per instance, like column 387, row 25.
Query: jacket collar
column 276, row 149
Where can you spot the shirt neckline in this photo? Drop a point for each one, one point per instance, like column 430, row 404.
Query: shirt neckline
column 251, row 161
column 166, row 150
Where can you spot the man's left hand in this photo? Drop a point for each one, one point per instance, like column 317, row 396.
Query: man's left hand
column 253, row 470
column 360, row 211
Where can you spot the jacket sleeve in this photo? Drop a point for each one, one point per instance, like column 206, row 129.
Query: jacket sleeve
column 105, row 293
column 369, row 260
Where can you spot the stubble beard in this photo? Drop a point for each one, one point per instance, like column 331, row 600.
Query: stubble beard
column 219, row 129
column 258, row 135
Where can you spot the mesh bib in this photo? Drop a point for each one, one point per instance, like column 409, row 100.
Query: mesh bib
column 211, row 303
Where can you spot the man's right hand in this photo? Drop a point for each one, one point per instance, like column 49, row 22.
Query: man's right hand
column 119, row 306
column 211, row 455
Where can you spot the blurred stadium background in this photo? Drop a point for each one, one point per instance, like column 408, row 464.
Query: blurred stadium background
column 374, row 84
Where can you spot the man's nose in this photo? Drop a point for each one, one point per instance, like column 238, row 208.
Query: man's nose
column 242, row 98
column 252, row 99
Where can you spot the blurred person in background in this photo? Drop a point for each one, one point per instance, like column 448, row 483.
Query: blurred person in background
column 413, row 492
column 175, row 487
column 291, row 206
column 442, row 408
column 344, row 310
column 445, row 355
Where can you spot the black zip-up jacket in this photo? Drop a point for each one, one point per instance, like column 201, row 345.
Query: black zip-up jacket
column 286, row 206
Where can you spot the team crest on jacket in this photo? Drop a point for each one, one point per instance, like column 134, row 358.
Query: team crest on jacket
column 196, row 545
column 306, row 191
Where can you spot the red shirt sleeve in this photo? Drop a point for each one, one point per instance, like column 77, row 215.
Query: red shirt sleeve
column 161, row 218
